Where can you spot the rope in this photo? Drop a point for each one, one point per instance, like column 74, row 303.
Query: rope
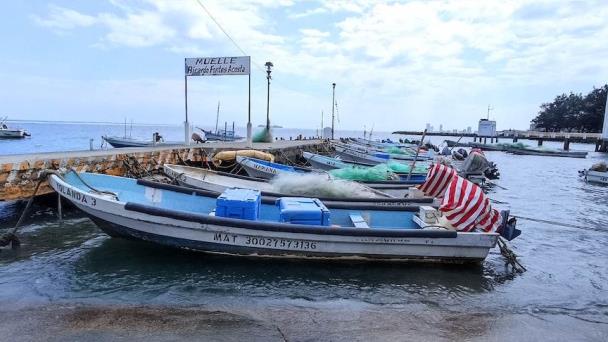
column 10, row 236
column 510, row 256
column 567, row 225
column 91, row 187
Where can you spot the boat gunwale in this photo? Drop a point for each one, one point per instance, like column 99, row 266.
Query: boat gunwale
column 396, row 232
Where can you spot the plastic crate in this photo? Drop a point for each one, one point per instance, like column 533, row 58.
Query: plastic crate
column 301, row 210
column 239, row 203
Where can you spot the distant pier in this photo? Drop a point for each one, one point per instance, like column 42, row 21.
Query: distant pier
column 20, row 173
column 566, row 137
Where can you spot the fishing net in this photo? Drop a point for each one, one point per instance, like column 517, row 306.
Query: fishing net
column 379, row 172
column 513, row 145
column 405, row 168
column 395, row 150
column 265, row 135
column 319, row 185
column 600, row 167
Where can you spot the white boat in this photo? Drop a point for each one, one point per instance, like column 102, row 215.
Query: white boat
column 325, row 163
column 8, row 133
column 183, row 218
column 594, row 176
column 267, row 170
column 120, row 142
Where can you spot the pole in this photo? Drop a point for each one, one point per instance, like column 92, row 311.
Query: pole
column 217, row 116
column 268, row 104
column 409, row 174
column 249, row 135
column 333, row 106
column 186, row 123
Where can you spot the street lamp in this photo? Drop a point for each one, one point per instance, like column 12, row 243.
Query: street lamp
column 269, row 66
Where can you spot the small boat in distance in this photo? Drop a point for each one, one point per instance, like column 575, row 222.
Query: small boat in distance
column 9, row 133
column 271, row 126
column 118, row 142
column 598, row 173
column 547, row 152
column 218, row 134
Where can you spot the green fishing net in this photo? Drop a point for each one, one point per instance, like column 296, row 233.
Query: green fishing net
column 395, row 150
column 513, row 145
column 405, row 168
column 376, row 173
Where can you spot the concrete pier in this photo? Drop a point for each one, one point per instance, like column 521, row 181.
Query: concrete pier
column 19, row 174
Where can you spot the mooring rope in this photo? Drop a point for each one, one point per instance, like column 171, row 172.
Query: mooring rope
column 567, row 225
column 510, row 256
column 10, row 236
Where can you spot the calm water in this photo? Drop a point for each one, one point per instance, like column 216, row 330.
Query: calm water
column 563, row 295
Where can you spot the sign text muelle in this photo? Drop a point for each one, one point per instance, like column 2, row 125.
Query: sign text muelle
column 217, row 66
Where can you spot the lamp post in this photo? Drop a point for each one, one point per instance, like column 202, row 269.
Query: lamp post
column 333, row 106
column 269, row 66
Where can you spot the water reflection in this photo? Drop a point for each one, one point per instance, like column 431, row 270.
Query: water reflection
column 141, row 267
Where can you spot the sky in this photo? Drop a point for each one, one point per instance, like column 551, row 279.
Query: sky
column 396, row 64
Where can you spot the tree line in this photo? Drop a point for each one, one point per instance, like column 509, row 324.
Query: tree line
column 573, row 112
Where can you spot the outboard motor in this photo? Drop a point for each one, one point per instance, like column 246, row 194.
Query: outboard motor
column 446, row 151
column 507, row 228
column 463, row 152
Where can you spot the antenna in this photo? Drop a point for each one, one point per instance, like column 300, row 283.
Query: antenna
column 321, row 120
column 217, row 117
column 489, row 109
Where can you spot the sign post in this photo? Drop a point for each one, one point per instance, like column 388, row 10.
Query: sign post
column 217, row 66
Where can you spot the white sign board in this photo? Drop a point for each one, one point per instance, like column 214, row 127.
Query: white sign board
column 218, row 66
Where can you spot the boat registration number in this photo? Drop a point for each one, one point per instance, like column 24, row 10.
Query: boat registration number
column 260, row 241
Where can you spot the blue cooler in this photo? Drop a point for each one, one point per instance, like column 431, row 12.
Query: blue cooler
column 382, row 155
column 239, row 203
column 301, row 210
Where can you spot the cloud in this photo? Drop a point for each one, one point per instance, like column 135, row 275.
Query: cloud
column 62, row 19
column 404, row 54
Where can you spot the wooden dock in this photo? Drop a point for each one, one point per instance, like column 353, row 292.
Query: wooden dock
column 20, row 173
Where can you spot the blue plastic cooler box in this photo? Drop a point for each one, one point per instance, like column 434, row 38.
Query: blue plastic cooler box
column 301, row 210
column 382, row 155
column 239, row 203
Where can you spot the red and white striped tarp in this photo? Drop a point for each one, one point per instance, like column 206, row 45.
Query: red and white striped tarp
column 463, row 203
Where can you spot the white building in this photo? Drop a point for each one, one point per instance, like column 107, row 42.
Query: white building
column 486, row 128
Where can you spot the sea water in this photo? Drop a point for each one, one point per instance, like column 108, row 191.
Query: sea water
column 66, row 265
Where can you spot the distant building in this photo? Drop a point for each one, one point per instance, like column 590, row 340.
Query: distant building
column 429, row 128
column 440, row 128
column 486, row 128
column 469, row 129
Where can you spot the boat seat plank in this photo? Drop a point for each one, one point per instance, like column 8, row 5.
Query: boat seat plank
column 358, row 221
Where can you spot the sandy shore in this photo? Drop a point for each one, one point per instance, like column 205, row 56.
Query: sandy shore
column 158, row 323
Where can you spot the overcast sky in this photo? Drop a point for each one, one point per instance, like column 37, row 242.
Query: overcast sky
column 397, row 65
